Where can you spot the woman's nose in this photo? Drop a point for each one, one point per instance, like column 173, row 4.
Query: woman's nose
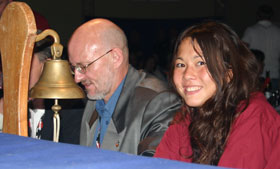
column 189, row 73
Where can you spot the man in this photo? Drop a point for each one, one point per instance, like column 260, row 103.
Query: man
column 127, row 110
column 265, row 36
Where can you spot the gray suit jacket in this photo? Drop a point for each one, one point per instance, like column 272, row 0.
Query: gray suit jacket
column 142, row 114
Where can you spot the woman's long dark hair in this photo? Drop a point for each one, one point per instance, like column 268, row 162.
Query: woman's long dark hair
column 234, row 70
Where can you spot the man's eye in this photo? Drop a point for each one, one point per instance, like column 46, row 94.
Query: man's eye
column 180, row 65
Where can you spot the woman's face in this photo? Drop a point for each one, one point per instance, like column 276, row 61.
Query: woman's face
column 191, row 76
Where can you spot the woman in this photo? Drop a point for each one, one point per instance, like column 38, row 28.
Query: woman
column 224, row 120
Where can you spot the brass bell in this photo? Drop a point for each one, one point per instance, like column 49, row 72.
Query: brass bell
column 56, row 81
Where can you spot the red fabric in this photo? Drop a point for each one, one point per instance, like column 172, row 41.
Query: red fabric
column 254, row 141
column 41, row 21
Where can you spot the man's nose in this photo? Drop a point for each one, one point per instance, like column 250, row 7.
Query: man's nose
column 79, row 76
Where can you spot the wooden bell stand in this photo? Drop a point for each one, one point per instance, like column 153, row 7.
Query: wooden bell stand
column 18, row 33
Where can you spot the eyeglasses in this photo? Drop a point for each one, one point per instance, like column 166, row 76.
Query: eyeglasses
column 83, row 69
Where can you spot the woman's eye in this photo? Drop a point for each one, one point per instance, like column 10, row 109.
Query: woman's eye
column 201, row 63
column 180, row 65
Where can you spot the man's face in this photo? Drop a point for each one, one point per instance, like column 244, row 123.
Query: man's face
column 3, row 4
column 98, row 76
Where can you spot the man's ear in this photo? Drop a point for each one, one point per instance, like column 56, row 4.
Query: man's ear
column 118, row 57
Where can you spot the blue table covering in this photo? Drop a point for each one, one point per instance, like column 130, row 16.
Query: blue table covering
column 23, row 152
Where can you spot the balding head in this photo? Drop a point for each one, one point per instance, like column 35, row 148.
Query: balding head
column 98, row 34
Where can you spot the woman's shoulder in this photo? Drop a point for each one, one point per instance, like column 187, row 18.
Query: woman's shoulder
column 255, row 132
column 259, row 110
column 259, row 104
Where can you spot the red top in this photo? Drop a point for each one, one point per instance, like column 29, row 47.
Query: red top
column 41, row 21
column 254, row 141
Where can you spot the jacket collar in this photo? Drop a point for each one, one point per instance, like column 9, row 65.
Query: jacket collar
column 118, row 117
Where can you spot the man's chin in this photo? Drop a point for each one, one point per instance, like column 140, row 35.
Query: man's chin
column 95, row 96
